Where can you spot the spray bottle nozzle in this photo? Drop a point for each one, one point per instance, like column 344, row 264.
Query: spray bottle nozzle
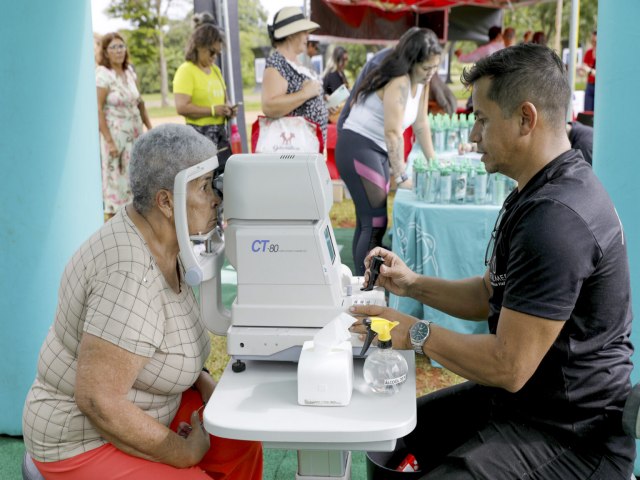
column 374, row 270
column 376, row 326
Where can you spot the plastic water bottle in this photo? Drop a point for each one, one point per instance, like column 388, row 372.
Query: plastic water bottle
column 459, row 184
column 445, row 185
column 464, row 129
column 236, row 140
column 480, row 192
column 433, row 179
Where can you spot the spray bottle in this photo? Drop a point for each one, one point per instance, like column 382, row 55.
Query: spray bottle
column 385, row 370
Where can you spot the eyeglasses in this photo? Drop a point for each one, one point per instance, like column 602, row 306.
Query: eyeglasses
column 118, row 47
column 491, row 246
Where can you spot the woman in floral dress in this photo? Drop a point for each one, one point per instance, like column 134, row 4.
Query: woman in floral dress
column 121, row 113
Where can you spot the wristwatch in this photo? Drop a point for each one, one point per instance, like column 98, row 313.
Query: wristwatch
column 401, row 178
column 418, row 334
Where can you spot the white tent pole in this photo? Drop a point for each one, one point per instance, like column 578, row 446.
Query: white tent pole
column 558, row 43
column 573, row 47
column 231, row 94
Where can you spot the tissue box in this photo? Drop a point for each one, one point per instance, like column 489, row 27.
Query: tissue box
column 325, row 377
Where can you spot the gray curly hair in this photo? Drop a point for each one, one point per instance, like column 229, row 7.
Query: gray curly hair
column 158, row 156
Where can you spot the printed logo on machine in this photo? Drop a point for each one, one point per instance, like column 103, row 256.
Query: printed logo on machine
column 267, row 246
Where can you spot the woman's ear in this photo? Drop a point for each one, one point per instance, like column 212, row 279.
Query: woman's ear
column 164, row 201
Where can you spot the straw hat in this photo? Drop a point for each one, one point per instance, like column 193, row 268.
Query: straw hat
column 290, row 20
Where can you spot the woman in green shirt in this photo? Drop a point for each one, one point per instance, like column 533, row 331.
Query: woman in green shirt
column 200, row 92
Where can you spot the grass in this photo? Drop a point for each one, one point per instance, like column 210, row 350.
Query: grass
column 153, row 103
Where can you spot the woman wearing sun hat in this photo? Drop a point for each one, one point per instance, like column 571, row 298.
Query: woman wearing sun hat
column 288, row 87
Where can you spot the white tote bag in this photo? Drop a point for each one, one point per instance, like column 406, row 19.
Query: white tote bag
column 286, row 135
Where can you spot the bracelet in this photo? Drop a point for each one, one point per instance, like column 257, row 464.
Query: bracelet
column 213, row 110
column 401, row 178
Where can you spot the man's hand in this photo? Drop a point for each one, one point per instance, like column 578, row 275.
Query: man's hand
column 394, row 276
column 399, row 334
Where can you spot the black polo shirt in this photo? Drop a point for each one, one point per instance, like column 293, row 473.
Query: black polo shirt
column 560, row 254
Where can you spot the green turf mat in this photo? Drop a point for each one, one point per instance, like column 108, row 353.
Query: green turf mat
column 11, row 453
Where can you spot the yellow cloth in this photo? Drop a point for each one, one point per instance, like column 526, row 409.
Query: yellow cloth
column 204, row 90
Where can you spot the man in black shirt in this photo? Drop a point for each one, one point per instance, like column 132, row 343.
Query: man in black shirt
column 548, row 384
column 581, row 138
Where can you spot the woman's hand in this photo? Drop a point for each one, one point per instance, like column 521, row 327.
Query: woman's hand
column 223, row 111
column 407, row 184
column 312, row 88
column 394, row 276
column 197, row 438
column 113, row 149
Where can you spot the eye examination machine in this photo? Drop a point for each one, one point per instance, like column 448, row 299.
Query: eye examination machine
column 293, row 295
column 279, row 239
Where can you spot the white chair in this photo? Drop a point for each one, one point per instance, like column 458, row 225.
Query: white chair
column 631, row 415
column 29, row 470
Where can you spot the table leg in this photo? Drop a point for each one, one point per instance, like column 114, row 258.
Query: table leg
column 323, row 464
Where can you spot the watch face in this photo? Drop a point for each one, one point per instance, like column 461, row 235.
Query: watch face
column 419, row 331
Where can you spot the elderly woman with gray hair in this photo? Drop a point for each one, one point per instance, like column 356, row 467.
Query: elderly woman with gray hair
column 120, row 377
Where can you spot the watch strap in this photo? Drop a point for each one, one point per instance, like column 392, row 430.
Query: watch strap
column 417, row 346
column 401, row 178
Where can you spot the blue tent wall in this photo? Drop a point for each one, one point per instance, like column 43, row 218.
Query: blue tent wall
column 51, row 191
column 615, row 158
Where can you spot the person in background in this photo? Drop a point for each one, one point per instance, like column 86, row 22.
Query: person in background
column 200, row 93
column 441, row 97
column 548, row 383
column 509, row 36
column 97, row 47
column 581, row 138
column 539, row 38
column 120, row 379
column 121, row 116
column 495, row 43
column 334, row 75
column 306, row 58
column 290, row 88
column 388, row 97
column 526, row 38
column 588, row 68
column 334, row 78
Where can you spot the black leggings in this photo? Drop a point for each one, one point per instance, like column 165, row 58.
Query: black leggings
column 457, row 438
column 364, row 168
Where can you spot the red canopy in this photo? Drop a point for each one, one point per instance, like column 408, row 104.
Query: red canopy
column 370, row 20
column 392, row 7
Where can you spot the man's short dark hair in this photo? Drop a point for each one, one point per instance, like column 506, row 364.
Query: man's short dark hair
column 525, row 73
column 494, row 32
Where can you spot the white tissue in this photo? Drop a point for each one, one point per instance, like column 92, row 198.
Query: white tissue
column 333, row 333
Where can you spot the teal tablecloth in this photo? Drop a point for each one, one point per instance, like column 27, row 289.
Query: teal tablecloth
column 446, row 241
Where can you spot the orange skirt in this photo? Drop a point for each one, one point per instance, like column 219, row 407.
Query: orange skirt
column 226, row 459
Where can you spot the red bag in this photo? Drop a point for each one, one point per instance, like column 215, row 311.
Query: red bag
column 286, row 135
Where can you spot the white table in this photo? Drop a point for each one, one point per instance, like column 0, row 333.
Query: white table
column 261, row 404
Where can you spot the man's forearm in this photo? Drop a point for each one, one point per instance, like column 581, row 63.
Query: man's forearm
column 467, row 299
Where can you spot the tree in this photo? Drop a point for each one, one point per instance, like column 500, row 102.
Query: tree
column 541, row 17
column 147, row 39
column 252, row 26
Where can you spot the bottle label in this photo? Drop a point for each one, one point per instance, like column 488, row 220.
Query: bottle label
column 395, row 381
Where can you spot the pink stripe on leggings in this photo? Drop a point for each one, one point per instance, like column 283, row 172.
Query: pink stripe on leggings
column 370, row 174
column 379, row 222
